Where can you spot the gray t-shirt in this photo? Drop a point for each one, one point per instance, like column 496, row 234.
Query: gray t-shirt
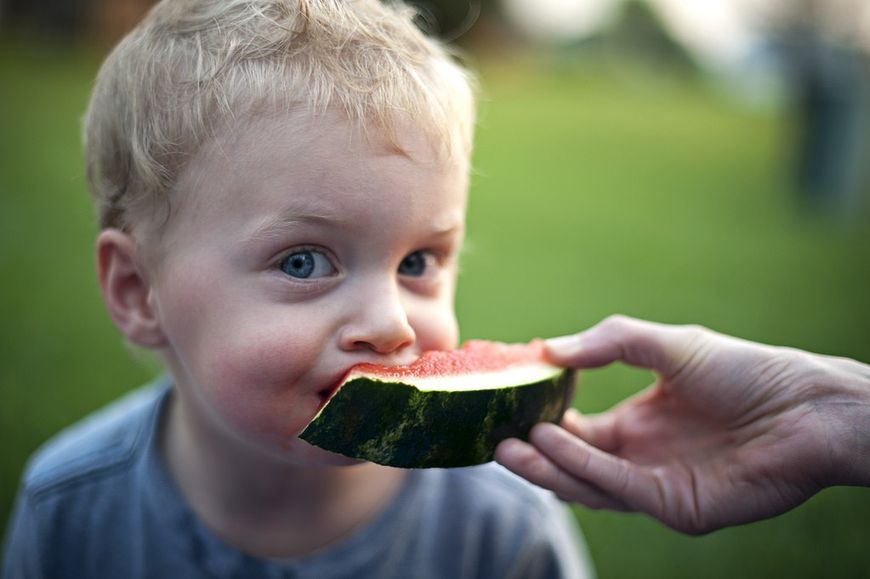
column 97, row 501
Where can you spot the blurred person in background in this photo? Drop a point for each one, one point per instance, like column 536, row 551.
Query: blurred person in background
column 829, row 73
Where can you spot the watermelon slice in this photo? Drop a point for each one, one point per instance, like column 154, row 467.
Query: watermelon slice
column 447, row 409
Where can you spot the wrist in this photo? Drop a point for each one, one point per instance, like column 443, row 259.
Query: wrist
column 841, row 391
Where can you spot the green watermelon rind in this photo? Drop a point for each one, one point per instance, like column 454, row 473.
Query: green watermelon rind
column 395, row 424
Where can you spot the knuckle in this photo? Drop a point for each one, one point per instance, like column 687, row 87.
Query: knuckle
column 695, row 332
column 616, row 321
column 695, row 529
column 621, row 479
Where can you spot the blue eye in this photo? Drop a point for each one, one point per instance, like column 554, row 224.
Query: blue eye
column 307, row 264
column 414, row 264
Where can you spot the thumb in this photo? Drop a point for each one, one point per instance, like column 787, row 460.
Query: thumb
column 638, row 343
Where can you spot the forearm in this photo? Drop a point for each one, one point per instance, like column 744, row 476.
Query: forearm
column 842, row 387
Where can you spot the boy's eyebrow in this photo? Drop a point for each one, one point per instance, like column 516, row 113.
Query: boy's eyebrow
column 278, row 224
column 447, row 229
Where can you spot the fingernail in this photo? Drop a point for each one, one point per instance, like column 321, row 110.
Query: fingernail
column 571, row 416
column 564, row 344
column 543, row 431
column 511, row 450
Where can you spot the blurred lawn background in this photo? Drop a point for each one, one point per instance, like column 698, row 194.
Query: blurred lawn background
column 593, row 194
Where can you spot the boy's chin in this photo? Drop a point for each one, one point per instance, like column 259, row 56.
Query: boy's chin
column 303, row 454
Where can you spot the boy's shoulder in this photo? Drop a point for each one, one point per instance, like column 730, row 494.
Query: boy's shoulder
column 99, row 446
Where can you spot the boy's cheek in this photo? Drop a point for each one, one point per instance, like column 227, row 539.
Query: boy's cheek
column 267, row 360
column 261, row 417
column 436, row 328
column 259, row 383
column 247, row 358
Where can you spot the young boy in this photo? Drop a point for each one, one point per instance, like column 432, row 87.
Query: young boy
column 281, row 187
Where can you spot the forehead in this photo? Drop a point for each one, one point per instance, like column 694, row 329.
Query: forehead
column 269, row 168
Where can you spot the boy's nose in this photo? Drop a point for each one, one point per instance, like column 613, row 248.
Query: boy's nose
column 380, row 324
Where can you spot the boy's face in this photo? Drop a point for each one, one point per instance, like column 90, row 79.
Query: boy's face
column 295, row 254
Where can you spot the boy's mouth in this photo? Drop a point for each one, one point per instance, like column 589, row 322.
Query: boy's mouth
column 327, row 393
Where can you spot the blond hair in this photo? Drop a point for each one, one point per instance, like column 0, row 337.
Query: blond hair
column 193, row 66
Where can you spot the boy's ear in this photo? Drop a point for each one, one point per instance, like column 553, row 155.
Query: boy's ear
column 126, row 289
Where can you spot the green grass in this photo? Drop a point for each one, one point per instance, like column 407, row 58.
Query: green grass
column 592, row 195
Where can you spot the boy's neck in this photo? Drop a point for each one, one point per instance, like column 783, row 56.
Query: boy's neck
column 264, row 507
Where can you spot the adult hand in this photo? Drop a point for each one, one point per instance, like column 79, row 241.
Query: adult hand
column 730, row 432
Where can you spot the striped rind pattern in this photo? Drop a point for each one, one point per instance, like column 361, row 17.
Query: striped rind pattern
column 395, row 424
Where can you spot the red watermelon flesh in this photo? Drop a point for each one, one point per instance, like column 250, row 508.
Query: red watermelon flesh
column 473, row 357
column 477, row 365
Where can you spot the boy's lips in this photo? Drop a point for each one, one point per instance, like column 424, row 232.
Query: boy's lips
column 327, row 393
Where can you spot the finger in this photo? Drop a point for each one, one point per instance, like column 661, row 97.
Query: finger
column 639, row 343
column 618, row 479
column 599, row 430
column 603, row 430
column 527, row 462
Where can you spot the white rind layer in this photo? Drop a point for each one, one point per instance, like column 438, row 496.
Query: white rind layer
column 505, row 378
